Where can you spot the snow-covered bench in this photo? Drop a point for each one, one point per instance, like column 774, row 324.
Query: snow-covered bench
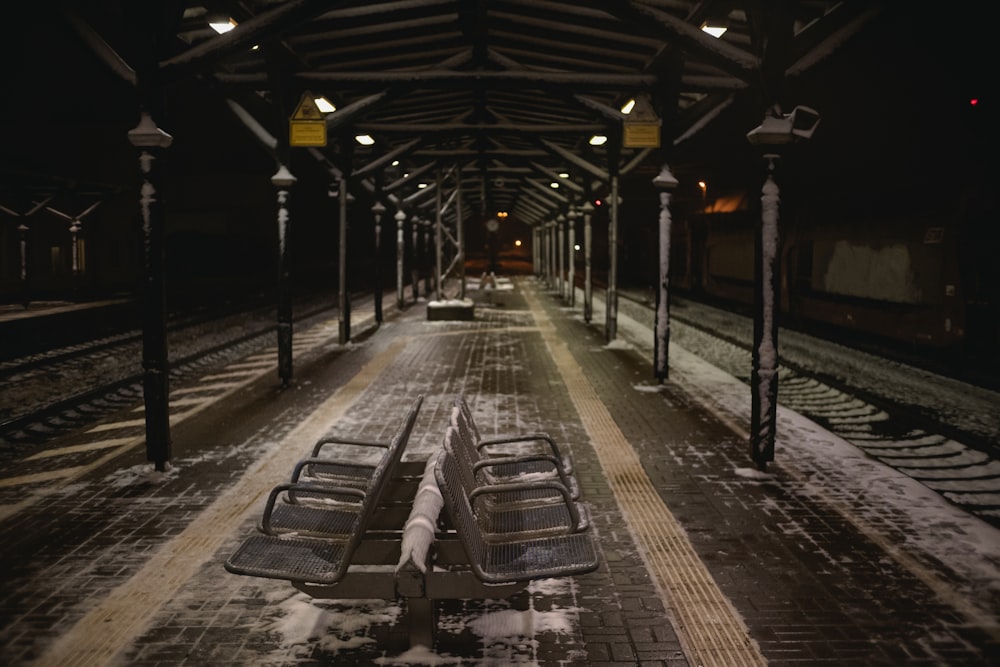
column 313, row 534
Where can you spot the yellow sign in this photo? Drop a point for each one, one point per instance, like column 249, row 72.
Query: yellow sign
column 307, row 133
column 306, row 126
column 641, row 135
column 307, row 109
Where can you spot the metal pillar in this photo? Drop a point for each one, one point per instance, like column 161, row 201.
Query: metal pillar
column 571, row 250
column 611, row 311
column 22, row 231
column 400, row 253
column 665, row 183
column 417, row 259
column 764, row 374
column 343, row 295
column 560, row 253
column 588, row 285
column 283, row 181
column 437, row 237
column 151, row 140
column 378, row 210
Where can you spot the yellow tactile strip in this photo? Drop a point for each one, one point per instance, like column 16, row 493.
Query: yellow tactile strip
column 711, row 632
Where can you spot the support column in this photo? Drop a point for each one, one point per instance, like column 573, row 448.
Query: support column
column 151, row 140
column 378, row 210
column 588, row 285
column 561, row 253
column 22, row 231
column 665, row 183
column 343, row 295
column 571, row 251
column 283, row 181
column 764, row 373
column 437, row 238
column 400, row 254
column 611, row 311
column 417, row 259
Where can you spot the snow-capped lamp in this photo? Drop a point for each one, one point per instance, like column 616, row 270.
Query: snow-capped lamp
column 781, row 129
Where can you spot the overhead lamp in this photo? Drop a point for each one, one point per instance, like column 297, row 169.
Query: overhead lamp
column 222, row 26
column 364, row 139
column 627, row 107
column 716, row 31
column 553, row 185
column 598, row 140
column 324, row 105
column 563, row 174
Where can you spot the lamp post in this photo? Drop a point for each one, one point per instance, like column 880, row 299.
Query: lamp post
column 378, row 210
column 704, row 196
column 283, row 180
column 666, row 183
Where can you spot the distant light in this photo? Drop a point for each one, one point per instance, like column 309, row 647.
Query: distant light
column 627, row 109
column 364, row 139
column 502, row 214
column 714, row 30
column 324, row 105
column 517, row 243
column 598, row 202
column 576, row 246
column 421, row 185
column 563, row 174
column 395, row 163
column 598, row 140
column 222, row 26
column 553, row 185
column 702, row 184
column 974, row 101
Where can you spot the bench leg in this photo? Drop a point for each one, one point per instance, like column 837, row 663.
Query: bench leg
column 421, row 612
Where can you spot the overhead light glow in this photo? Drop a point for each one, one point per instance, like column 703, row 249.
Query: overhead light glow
column 563, row 174
column 517, row 243
column 421, row 185
column 364, row 139
column 716, row 31
column 222, row 26
column 598, row 140
column 627, row 108
column 324, row 105
column 395, row 163
column 553, row 185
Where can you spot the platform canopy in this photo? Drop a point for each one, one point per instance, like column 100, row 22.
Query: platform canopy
column 508, row 93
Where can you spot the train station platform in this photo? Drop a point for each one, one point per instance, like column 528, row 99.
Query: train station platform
column 827, row 558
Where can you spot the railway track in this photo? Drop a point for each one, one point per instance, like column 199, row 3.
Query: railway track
column 50, row 393
column 937, row 430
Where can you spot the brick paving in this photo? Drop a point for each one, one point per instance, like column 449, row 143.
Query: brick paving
column 811, row 589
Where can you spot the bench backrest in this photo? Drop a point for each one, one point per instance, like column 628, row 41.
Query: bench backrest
column 447, row 472
column 396, row 446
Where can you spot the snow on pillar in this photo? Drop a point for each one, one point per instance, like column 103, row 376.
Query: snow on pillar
column 378, row 210
column 588, row 287
column 665, row 183
column 561, row 253
column 611, row 309
column 400, row 251
column 283, row 181
column 151, row 140
column 764, row 375
column 571, row 251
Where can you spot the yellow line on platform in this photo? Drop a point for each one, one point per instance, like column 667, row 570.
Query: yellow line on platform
column 110, row 627
column 710, row 629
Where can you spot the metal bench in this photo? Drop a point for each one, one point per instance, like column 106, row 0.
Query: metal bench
column 527, row 506
column 313, row 536
column 497, row 468
column 543, row 442
column 515, row 559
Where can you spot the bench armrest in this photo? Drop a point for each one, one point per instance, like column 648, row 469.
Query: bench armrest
column 323, row 442
column 319, row 460
column 525, row 437
column 507, row 487
column 523, row 458
column 318, row 489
